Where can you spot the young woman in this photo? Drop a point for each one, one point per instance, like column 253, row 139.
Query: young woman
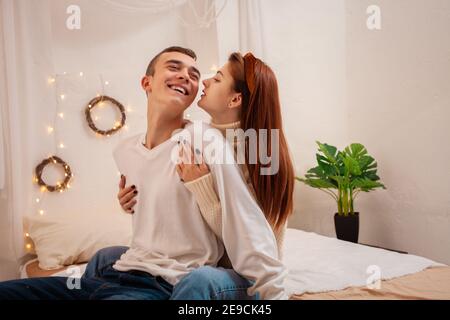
column 242, row 95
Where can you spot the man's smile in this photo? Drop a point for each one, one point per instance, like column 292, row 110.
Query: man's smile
column 179, row 88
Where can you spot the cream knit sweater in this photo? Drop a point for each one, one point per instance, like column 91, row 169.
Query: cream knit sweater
column 208, row 201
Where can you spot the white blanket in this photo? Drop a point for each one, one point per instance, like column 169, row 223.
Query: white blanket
column 318, row 264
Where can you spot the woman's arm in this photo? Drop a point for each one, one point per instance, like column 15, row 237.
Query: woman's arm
column 203, row 190
column 248, row 238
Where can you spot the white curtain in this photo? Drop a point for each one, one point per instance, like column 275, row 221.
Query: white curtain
column 26, row 63
column 240, row 28
column 147, row 6
column 250, row 25
column 28, row 56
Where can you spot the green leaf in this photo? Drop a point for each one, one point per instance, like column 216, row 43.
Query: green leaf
column 338, row 179
column 352, row 166
column 319, row 183
column 356, row 150
column 328, row 151
column 325, row 166
column 365, row 161
column 366, row 184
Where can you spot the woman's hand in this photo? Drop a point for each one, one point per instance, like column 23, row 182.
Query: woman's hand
column 188, row 170
column 126, row 195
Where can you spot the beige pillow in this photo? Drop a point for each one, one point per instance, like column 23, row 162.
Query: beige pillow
column 61, row 241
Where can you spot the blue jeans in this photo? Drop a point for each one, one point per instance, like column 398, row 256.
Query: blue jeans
column 113, row 285
column 204, row 283
column 102, row 282
column 125, row 286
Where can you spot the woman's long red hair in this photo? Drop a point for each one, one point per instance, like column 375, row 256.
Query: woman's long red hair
column 261, row 110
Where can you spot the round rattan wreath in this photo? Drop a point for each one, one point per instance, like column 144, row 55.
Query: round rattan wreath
column 59, row 186
column 91, row 123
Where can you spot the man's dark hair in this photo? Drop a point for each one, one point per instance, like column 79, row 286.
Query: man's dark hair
column 151, row 66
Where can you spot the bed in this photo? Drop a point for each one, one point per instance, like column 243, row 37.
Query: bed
column 321, row 267
column 327, row 268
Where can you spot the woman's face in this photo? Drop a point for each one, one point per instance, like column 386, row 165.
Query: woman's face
column 218, row 96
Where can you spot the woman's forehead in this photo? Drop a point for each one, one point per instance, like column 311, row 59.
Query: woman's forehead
column 225, row 70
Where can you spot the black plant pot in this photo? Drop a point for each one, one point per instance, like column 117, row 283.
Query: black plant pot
column 347, row 227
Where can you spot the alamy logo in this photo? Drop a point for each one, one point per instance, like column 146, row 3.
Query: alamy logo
column 74, row 278
column 211, row 147
column 374, row 280
column 374, row 20
column 73, row 22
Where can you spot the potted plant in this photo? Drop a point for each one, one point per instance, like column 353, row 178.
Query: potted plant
column 348, row 172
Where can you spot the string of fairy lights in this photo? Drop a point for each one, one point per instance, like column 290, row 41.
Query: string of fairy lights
column 55, row 158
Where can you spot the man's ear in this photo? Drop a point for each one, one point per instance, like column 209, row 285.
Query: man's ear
column 236, row 101
column 146, row 84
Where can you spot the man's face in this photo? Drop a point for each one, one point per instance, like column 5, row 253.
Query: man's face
column 174, row 84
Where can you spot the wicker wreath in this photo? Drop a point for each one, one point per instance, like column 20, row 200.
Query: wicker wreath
column 91, row 123
column 59, row 186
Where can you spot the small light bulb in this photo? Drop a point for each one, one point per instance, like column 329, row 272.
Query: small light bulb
column 41, row 212
column 37, row 200
column 49, row 129
column 64, row 73
column 61, row 145
column 28, row 246
column 43, row 189
column 98, row 95
column 51, row 80
column 81, row 74
column 27, row 234
column 61, row 115
column 117, row 123
column 63, row 96
column 106, row 83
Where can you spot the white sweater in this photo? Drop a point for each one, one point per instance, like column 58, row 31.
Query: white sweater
column 170, row 237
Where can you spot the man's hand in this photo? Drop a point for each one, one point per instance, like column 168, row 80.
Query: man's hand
column 126, row 195
column 188, row 170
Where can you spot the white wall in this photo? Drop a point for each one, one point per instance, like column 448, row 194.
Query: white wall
column 389, row 90
column 304, row 45
column 115, row 46
column 398, row 93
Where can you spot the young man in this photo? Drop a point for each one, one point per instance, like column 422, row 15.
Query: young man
column 170, row 239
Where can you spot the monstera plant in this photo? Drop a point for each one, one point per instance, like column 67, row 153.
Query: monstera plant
column 342, row 175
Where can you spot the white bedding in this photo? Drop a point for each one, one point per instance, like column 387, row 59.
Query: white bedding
column 318, row 264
